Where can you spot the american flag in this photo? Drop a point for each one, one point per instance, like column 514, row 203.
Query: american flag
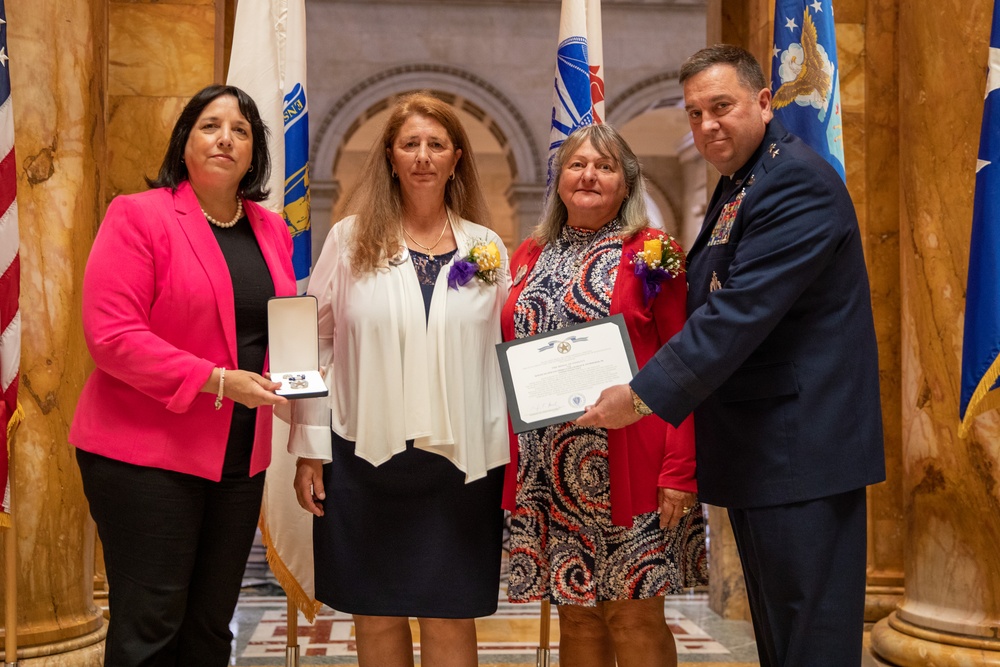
column 10, row 279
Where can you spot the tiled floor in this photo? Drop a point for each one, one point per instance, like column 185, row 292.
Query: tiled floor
column 509, row 637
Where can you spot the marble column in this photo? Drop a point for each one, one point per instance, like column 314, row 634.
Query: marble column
column 160, row 54
column 57, row 56
column 867, row 47
column 324, row 195
column 695, row 174
column 950, row 612
column 526, row 201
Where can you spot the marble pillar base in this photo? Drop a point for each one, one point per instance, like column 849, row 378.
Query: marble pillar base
column 85, row 651
column 880, row 601
column 896, row 643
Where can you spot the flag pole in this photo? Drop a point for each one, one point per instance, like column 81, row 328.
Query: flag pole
column 292, row 635
column 542, row 653
column 10, row 571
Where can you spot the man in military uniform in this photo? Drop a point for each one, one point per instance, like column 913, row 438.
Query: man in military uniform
column 778, row 362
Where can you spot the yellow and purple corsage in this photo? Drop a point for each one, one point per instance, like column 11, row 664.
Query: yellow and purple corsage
column 657, row 262
column 483, row 262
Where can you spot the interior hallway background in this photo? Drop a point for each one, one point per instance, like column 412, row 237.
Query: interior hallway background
column 96, row 84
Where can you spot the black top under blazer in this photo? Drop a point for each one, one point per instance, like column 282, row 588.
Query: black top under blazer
column 779, row 361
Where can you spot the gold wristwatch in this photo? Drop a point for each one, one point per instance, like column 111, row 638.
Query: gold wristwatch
column 638, row 405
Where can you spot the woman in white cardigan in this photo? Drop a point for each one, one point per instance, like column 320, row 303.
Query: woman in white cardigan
column 402, row 463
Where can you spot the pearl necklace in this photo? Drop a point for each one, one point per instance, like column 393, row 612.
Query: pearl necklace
column 227, row 225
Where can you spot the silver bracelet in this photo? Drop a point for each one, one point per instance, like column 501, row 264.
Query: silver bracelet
column 222, row 384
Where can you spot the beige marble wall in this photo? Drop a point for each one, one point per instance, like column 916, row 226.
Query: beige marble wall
column 869, row 63
column 160, row 53
column 96, row 86
column 951, row 609
column 57, row 58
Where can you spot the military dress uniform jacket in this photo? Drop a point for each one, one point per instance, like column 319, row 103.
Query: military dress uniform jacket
column 778, row 359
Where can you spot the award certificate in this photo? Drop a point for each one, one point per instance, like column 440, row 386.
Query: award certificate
column 549, row 378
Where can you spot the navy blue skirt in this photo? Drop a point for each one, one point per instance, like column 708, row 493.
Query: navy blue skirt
column 408, row 538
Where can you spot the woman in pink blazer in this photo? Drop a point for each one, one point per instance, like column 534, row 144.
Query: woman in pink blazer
column 173, row 429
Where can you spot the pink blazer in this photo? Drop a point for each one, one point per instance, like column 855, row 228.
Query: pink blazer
column 158, row 316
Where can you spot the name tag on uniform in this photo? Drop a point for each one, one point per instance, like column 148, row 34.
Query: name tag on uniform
column 724, row 225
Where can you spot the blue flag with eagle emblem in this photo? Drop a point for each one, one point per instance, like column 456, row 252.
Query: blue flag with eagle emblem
column 981, row 345
column 578, row 98
column 805, row 78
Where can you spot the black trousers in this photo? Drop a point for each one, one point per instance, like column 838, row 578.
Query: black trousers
column 804, row 566
column 175, row 549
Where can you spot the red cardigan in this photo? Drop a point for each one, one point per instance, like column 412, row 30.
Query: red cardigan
column 650, row 453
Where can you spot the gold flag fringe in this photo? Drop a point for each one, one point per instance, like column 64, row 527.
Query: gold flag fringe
column 293, row 590
column 12, row 424
column 979, row 403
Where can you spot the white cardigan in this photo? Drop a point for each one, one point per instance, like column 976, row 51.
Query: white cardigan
column 396, row 374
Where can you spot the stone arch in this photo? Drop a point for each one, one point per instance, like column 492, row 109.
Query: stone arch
column 466, row 90
column 658, row 90
column 652, row 93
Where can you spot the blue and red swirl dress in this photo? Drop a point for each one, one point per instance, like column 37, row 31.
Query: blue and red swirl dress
column 564, row 546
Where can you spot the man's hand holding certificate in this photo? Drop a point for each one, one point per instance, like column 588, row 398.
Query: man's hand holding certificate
column 550, row 378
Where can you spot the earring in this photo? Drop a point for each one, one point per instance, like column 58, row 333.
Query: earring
column 452, row 177
column 394, row 173
column 250, row 169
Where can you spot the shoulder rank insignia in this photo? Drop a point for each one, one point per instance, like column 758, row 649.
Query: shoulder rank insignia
column 724, row 225
column 773, row 150
column 715, row 284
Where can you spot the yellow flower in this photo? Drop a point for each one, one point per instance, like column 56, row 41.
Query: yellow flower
column 652, row 249
column 487, row 256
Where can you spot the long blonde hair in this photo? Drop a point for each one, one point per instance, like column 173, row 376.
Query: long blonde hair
column 376, row 200
column 607, row 141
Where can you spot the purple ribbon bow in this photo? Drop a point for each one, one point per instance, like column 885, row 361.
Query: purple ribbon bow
column 461, row 272
column 651, row 279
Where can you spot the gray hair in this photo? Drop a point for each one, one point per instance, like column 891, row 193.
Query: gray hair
column 607, row 141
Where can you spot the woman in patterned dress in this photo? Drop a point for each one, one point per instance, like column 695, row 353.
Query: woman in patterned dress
column 594, row 512
column 402, row 465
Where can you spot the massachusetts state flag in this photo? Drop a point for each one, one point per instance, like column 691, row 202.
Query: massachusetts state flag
column 805, row 78
column 578, row 99
column 981, row 347
column 268, row 61
column 10, row 276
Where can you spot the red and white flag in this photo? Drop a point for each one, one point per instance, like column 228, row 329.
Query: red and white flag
column 10, row 275
column 578, row 98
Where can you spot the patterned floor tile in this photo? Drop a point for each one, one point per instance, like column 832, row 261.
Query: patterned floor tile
column 509, row 637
